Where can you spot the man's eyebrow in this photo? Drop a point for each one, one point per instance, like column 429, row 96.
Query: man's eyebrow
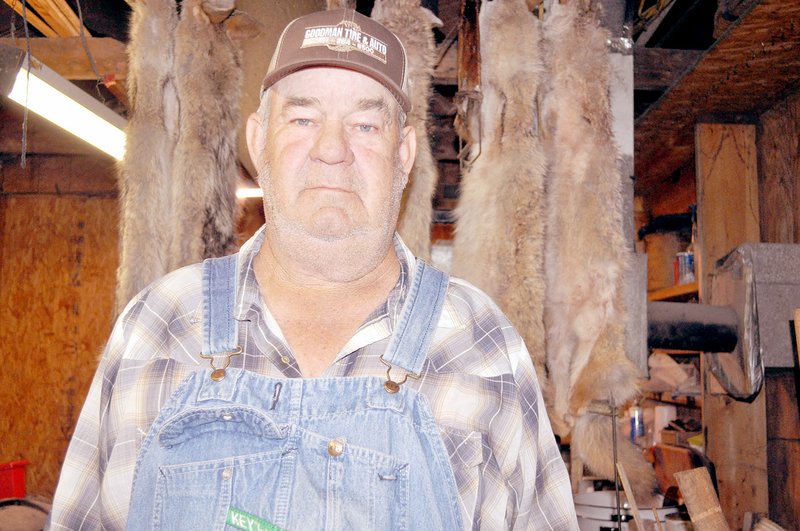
column 299, row 101
column 379, row 103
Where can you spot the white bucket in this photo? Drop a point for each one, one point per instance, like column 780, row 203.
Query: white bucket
column 597, row 511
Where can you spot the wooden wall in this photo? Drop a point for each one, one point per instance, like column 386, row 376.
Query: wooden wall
column 779, row 189
column 58, row 259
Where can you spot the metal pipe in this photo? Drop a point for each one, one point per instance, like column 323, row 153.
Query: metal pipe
column 688, row 326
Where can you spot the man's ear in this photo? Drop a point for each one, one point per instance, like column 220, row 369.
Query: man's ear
column 408, row 147
column 255, row 139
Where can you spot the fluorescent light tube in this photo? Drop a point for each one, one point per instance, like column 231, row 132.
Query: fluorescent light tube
column 63, row 103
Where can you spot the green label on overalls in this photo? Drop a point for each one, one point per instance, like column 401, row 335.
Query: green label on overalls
column 242, row 520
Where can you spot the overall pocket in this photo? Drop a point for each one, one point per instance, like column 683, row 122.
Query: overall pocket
column 353, row 487
column 211, row 463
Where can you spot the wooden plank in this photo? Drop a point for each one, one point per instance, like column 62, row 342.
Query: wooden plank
column 779, row 160
column 43, row 136
column 54, row 14
column 728, row 215
column 67, row 57
column 56, row 302
column 701, row 500
column 758, row 61
column 61, row 175
column 660, row 68
column 32, row 18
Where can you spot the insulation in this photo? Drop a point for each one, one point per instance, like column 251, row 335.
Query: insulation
column 414, row 27
column 586, row 255
column 500, row 231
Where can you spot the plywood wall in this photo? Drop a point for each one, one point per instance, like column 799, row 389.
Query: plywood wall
column 58, row 230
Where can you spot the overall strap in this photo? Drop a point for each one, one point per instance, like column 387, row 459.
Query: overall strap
column 220, row 329
column 408, row 346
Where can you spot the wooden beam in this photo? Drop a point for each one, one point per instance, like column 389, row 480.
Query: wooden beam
column 43, row 136
column 58, row 16
column 32, row 18
column 67, row 57
column 728, row 215
column 660, row 68
column 745, row 73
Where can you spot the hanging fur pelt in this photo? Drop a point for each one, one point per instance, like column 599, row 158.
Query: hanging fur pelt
column 145, row 172
column 208, row 64
column 585, row 252
column 499, row 232
column 414, row 27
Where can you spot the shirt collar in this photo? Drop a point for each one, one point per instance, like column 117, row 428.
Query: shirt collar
column 378, row 325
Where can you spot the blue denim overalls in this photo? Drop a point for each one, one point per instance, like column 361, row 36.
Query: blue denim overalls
column 232, row 449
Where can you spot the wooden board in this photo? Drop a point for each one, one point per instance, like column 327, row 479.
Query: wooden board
column 67, row 57
column 56, row 301
column 728, row 215
column 779, row 160
column 744, row 74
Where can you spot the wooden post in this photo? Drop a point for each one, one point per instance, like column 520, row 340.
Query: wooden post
column 728, row 215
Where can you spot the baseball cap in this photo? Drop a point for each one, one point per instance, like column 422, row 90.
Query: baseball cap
column 342, row 38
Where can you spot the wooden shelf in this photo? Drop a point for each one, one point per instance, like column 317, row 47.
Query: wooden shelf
column 681, row 292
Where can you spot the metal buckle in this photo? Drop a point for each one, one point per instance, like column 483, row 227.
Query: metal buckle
column 219, row 373
column 391, row 386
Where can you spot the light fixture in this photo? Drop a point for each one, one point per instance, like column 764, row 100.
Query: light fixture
column 51, row 96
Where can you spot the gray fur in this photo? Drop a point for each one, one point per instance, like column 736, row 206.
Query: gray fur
column 500, row 231
column 413, row 25
column 585, row 253
column 145, row 172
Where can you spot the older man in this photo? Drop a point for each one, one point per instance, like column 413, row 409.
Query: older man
column 321, row 378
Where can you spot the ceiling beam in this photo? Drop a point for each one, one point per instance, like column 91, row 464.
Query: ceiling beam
column 660, row 68
column 59, row 16
column 67, row 57
column 32, row 18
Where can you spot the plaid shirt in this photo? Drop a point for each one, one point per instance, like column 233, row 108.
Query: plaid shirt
column 478, row 379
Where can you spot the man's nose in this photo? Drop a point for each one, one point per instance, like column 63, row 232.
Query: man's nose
column 332, row 145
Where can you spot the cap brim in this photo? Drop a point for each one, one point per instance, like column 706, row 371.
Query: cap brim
column 397, row 92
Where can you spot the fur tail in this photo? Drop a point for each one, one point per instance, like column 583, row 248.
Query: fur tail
column 592, row 442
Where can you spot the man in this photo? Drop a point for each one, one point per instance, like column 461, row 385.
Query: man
column 322, row 377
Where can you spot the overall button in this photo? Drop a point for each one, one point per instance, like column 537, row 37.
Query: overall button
column 335, row 448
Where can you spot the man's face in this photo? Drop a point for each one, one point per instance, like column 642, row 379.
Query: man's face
column 335, row 160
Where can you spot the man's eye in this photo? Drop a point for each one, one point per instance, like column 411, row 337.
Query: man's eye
column 366, row 128
column 302, row 121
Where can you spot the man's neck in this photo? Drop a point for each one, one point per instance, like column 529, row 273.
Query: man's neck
column 318, row 315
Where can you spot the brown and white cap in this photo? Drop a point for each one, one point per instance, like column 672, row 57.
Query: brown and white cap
column 342, row 38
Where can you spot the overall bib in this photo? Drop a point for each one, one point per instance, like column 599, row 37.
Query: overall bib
column 232, row 449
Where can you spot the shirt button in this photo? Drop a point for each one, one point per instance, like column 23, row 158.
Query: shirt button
column 285, row 359
column 227, row 416
column 335, row 448
column 227, row 473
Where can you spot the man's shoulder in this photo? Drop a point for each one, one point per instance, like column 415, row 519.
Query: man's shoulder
column 170, row 293
column 167, row 312
column 474, row 336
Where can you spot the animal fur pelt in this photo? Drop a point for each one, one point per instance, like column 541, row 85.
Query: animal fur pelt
column 414, row 27
column 209, row 75
column 145, row 173
column 585, row 252
column 500, row 230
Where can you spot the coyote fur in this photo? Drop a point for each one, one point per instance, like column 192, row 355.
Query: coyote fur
column 585, row 252
column 500, row 230
column 177, row 178
column 208, row 64
column 414, row 27
column 145, row 172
